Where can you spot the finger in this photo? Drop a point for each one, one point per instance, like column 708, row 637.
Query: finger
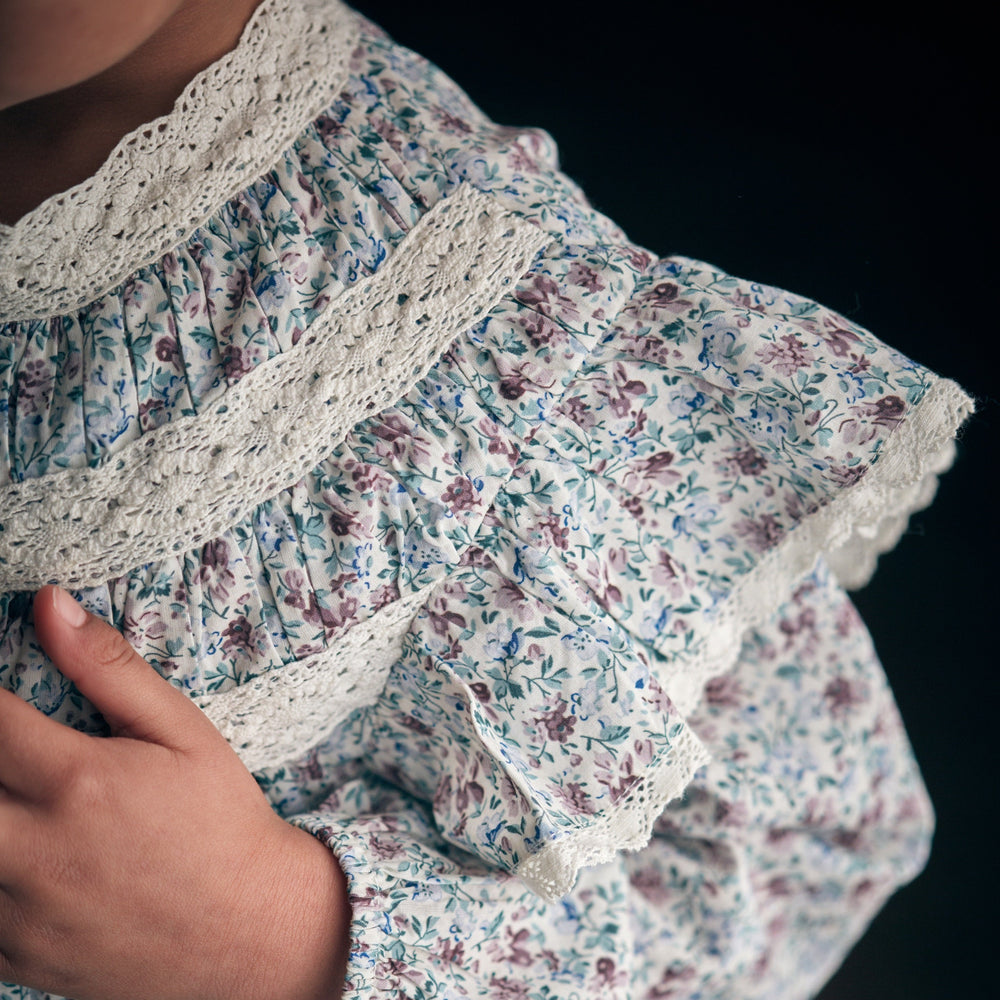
column 134, row 699
column 34, row 749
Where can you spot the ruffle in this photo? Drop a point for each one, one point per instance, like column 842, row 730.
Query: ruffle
column 755, row 882
column 551, row 645
column 388, row 513
column 181, row 484
column 477, row 497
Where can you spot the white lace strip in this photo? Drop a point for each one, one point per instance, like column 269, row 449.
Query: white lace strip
column 851, row 532
column 282, row 714
column 165, row 178
column 187, row 481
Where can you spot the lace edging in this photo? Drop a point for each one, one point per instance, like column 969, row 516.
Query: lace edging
column 189, row 480
column 283, row 713
column 165, row 178
column 851, row 531
column 552, row 871
column 858, row 525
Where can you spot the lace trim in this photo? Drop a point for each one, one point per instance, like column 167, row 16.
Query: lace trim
column 165, row 178
column 188, row 481
column 850, row 532
column 853, row 530
column 552, row 872
column 282, row 714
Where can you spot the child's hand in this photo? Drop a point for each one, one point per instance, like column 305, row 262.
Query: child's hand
column 149, row 864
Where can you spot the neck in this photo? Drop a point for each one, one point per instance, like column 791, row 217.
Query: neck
column 145, row 83
column 54, row 141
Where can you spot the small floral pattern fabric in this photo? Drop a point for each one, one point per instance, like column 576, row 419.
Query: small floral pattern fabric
column 580, row 484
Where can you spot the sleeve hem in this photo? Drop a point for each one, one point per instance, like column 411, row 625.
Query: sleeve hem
column 552, row 871
column 850, row 532
column 368, row 938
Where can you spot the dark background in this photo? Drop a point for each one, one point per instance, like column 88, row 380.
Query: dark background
column 844, row 156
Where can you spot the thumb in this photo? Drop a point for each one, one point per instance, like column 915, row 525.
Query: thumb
column 134, row 699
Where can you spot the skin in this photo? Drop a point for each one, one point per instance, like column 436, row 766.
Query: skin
column 78, row 75
column 148, row 863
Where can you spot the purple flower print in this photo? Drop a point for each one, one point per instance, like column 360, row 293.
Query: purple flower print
column 518, row 160
column 657, row 468
column 554, row 532
column 511, row 598
column 838, row 338
column 513, row 950
column 608, row 973
column 542, row 331
column 329, row 129
column 723, row 692
column 449, row 123
column 149, row 626
column 670, row 985
column 512, row 387
column 384, row 595
column 665, row 295
column 848, row 475
column 869, row 415
column 788, row 356
column 731, row 813
column 392, row 428
column 579, row 411
column 449, row 952
column 842, row 695
column 367, row 478
column 385, row 848
column 508, row 989
column 238, row 636
column 236, row 362
column 557, row 724
column 341, row 522
column 391, row 971
column 581, row 274
column 575, row 799
column 792, row 627
column 545, row 297
column 168, row 352
column 460, row 495
column 648, row 882
column 886, row 412
column 664, row 292
column 763, row 533
column 443, row 620
column 749, row 461
column 214, row 572
column 35, row 382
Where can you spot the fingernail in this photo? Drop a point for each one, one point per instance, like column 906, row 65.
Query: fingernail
column 71, row 612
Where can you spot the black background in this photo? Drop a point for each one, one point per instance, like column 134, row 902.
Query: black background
column 846, row 156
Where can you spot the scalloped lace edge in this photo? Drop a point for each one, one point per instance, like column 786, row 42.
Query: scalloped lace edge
column 165, row 178
column 189, row 480
column 860, row 523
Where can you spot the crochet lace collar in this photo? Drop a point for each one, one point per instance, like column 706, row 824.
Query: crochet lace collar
column 166, row 177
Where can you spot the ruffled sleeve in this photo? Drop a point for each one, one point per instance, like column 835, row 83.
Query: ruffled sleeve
column 669, row 494
column 762, row 875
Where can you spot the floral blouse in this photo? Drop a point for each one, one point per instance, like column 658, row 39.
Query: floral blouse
column 507, row 554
